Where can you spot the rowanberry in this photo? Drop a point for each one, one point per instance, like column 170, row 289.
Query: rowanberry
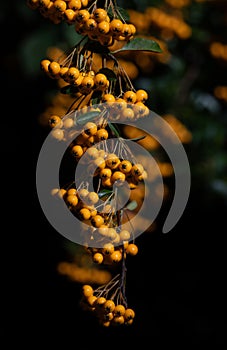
column 91, row 300
column 116, row 256
column 112, row 233
column 103, row 27
column 109, row 306
column 85, row 214
column 44, row 64
column 119, row 310
column 105, row 173
column 69, row 16
column 92, row 198
column 74, row 4
column 130, row 96
column 97, row 220
column 97, row 258
column 137, row 169
column 98, row 164
column 87, row 82
column 118, row 176
column 118, row 320
column 124, row 235
column 57, row 134
column 116, row 26
column 132, row 249
column 112, row 161
column 133, row 29
column 141, row 95
column 100, row 15
column 102, row 134
column 100, row 301
column 71, row 191
column 103, row 230
column 108, row 249
column 82, row 16
column 90, row 24
column 82, row 193
column 108, row 98
column 120, row 103
column 71, row 75
column 54, row 68
column 129, row 314
column 126, row 30
column 90, row 128
column 72, row 200
column 55, row 120
column 127, row 113
column 100, row 79
column 87, row 290
column 60, row 6
column 77, row 151
column 125, row 166
column 92, row 152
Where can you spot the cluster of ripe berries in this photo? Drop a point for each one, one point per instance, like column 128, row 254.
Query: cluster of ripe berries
column 106, row 309
column 100, row 228
column 101, row 223
column 101, row 24
column 130, row 104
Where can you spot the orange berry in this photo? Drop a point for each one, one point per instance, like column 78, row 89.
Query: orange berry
column 130, row 96
column 44, row 64
column 55, row 120
column 109, row 306
column 54, row 68
column 108, row 249
column 87, row 290
column 118, row 176
column 100, row 15
column 116, row 256
column 92, row 198
column 125, row 166
column 102, row 134
column 77, row 151
column 141, row 95
column 119, row 310
column 74, row 4
column 129, row 314
column 97, row 220
column 72, row 200
column 97, row 258
column 116, row 26
column 132, row 249
column 85, row 213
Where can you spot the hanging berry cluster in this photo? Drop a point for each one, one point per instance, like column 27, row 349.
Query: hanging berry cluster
column 102, row 96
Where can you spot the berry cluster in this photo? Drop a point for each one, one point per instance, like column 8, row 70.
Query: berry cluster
column 86, row 83
column 107, row 304
column 102, row 97
column 103, row 24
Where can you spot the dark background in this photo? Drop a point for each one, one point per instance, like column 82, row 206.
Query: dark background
column 176, row 283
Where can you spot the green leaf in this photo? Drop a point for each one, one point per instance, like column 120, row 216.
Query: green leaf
column 132, row 205
column 121, row 13
column 109, row 73
column 104, row 193
column 114, row 129
column 84, row 118
column 140, row 44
